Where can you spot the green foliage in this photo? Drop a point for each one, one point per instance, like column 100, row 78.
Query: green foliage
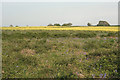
column 85, row 35
column 11, row 25
column 103, row 23
column 50, row 25
column 89, row 24
column 57, row 35
column 56, row 24
column 107, row 62
column 110, row 34
column 16, row 26
column 67, row 24
column 90, row 45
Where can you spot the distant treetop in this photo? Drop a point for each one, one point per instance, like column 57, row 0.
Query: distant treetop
column 89, row 24
column 103, row 23
column 57, row 24
column 11, row 25
column 67, row 24
column 50, row 25
column 16, row 26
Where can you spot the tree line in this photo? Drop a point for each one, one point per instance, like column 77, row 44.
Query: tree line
column 57, row 24
column 101, row 23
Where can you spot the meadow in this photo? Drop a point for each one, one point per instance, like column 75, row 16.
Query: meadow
column 60, row 53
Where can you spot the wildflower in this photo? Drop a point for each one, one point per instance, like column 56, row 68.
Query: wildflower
column 105, row 38
column 93, row 75
column 66, row 50
column 115, row 70
column 116, row 37
column 104, row 75
column 77, row 73
column 80, row 60
column 101, row 75
column 84, row 53
column 17, row 66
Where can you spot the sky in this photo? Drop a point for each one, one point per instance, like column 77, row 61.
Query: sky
column 60, row 0
column 42, row 13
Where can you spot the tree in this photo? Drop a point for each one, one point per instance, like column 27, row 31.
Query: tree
column 57, row 24
column 67, row 24
column 11, row 25
column 64, row 25
column 103, row 23
column 50, row 25
column 89, row 24
column 16, row 26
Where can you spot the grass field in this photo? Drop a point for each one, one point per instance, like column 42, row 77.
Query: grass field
column 59, row 53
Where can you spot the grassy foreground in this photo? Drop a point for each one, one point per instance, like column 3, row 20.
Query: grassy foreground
column 59, row 54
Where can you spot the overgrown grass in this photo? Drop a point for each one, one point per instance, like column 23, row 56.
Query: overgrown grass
column 59, row 54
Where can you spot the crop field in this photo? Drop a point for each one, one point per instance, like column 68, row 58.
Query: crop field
column 58, row 52
column 63, row 28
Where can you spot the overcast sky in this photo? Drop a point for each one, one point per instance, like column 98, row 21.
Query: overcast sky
column 59, row 0
column 43, row 13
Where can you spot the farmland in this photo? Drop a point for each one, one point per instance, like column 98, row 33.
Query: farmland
column 98, row 28
column 58, row 52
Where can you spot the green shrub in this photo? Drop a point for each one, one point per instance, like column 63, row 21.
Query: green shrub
column 85, row 35
column 43, row 35
column 110, row 34
column 57, row 35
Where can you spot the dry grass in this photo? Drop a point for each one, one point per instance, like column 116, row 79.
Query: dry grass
column 28, row 52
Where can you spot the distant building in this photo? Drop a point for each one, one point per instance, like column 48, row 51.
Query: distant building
column 103, row 23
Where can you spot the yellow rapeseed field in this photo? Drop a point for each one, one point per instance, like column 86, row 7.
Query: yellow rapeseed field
column 91, row 28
